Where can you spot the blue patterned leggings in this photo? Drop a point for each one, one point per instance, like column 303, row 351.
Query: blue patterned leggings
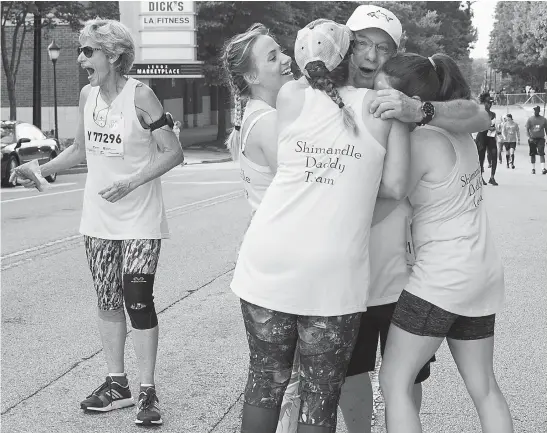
column 325, row 345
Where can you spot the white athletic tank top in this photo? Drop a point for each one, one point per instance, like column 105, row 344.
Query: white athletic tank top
column 256, row 178
column 306, row 250
column 117, row 147
column 457, row 266
column 391, row 255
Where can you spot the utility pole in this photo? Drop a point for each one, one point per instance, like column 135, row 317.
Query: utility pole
column 37, row 69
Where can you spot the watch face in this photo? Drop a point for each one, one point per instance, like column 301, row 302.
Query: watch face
column 429, row 109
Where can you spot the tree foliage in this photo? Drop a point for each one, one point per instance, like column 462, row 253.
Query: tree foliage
column 518, row 42
column 429, row 27
column 19, row 17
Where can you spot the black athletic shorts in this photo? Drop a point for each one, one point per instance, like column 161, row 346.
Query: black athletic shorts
column 537, row 146
column 419, row 317
column 375, row 326
column 510, row 145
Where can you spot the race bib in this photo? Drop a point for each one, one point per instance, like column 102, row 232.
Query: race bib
column 109, row 141
column 410, row 256
column 103, row 143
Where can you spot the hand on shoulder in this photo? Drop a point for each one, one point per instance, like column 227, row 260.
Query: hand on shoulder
column 393, row 104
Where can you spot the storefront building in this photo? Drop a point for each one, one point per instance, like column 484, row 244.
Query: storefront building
column 165, row 35
column 166, row 57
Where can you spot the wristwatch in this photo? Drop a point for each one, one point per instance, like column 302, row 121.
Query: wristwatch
column 428, row 111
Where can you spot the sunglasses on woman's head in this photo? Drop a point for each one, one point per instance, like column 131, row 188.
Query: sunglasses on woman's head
column 88, row 51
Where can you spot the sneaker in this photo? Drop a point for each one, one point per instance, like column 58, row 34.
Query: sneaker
column 492, row 181
column 109, row 396
column 513, row 166
column 533, row 171
column 148, row 408
column 484, row 182
column 544, row 171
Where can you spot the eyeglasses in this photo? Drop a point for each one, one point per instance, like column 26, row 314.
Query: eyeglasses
column 366, row 44
column 88, row 51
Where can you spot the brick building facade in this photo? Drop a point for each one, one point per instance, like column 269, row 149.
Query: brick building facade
column 199, row 110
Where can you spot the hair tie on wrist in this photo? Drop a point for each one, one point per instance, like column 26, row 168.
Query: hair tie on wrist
column 237, row 127
column 341, row 105
column 432, row 63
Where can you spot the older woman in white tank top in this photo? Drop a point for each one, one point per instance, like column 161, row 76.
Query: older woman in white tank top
column 128, row 142
column 456, row 286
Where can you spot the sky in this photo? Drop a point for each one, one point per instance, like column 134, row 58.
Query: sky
column 483, row 20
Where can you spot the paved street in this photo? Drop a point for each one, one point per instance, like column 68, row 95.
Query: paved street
column 51, row 356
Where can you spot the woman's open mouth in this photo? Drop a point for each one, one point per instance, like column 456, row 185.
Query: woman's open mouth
column 90, row 72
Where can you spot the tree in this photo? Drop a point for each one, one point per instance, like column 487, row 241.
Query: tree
column 425, row 27
column 219, row 21
column 518, row 42
column 19, row 16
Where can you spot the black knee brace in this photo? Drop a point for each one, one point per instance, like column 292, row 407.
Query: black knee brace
column 139, row 300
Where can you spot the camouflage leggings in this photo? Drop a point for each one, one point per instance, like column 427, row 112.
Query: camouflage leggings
column 325, row 345
column 110, row 260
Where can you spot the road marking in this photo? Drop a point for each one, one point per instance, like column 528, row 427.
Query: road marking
column 23, row 189
column 41, row 195
column 213, row 200
column 40, row 247
column 175, row 211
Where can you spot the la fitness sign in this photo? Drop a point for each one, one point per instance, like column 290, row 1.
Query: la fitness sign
column 165, row 37
column 173, row 14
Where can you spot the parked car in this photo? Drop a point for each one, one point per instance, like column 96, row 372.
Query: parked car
column 23, row 142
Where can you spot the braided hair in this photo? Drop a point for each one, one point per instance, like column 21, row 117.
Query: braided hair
column 236, row 62
column 320, row 78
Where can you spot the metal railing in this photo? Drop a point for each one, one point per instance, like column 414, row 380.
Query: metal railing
column 521, row 99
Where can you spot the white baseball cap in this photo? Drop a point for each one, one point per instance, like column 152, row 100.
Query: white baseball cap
column 322, row 40
column 370, row 16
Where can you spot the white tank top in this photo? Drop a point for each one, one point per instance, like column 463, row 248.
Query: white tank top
column 391, row 255
column 117, row 147
column 457, row 266
column 306, row 250
column 256, row 178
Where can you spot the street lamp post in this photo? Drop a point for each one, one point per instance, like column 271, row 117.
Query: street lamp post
column 54, row 52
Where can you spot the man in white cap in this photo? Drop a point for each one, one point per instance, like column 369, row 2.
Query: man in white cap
column 378, row 35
